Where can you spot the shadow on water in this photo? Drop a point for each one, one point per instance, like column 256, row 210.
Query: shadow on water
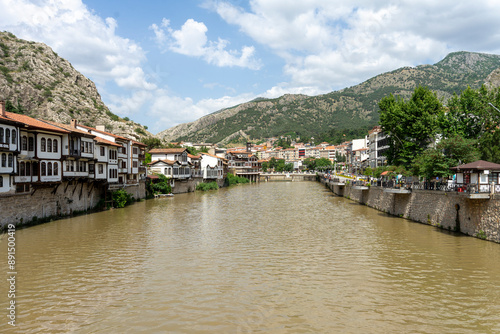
column 437, row 228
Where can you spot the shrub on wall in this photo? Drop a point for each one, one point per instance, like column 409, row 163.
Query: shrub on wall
column 232, row 179
column 207, row 186
column 121, row 198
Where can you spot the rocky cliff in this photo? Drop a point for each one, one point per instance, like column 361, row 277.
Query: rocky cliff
column 35, row 81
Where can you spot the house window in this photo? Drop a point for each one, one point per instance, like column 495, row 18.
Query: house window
column 49, row 145
column 135, row 164
column 1, row 181
column 31, row 144
column 44, row 169
column 55, row 146
column 101, row 169
column 49, row 168
column 4, row 160
column 11, row 158
column 24, row 143
column 42, row 145
column 14, row 136
column 1, row 135
column 28, row 169
column 91, row 168
column 34, row 168
column 103, row 152
column 56, row 168
column 7, row 136
column 493, row 177
column 135, row 150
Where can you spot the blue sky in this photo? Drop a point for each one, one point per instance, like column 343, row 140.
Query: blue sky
column 162, row 63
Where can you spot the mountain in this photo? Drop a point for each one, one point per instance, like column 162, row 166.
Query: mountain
column 35, row 81
column 350, row 108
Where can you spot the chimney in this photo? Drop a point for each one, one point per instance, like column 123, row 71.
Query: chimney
column 101, row 128
column 74, row 123
column 2, row 108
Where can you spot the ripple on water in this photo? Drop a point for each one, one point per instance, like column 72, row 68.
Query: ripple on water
column 270, row 258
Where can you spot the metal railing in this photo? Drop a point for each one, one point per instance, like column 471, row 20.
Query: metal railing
column 418, row 185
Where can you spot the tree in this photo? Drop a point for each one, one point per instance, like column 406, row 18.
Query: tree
column 265, row 166
column 310, row 163
column 473, row 115
column 152, row 142
column 368, row 171
column 450, row 152
column 411, row 126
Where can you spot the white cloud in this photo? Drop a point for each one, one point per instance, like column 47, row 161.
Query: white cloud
column 129, row 105
column 191, row 40
column 172, row 110
column 76, row 33
column 329, row 45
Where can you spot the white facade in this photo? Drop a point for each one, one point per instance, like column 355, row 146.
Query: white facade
column 211, row 166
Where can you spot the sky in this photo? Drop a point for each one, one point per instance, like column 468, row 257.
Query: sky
column 166, row 62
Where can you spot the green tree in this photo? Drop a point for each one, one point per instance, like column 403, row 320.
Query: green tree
column 265, row 166
column 152, row 142
column 411, row 125
column 159, row 186
column 450, row 152
column 310, row 163
column 368, row 171
column 474, row 114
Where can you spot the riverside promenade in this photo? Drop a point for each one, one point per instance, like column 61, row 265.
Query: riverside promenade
column 455, row 211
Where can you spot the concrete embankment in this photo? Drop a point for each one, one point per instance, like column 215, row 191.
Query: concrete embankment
column 447, row 210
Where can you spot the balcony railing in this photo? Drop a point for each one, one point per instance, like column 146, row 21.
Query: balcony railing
column 442, row 186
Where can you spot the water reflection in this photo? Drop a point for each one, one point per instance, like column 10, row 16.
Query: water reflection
column 272, row 258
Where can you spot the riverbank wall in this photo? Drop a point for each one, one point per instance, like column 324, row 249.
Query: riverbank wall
column 448, row 210
column 58, row 201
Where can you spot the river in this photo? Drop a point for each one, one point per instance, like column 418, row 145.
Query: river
column 277, row 257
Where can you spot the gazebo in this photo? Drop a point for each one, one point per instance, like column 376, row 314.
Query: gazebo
column 478, row 177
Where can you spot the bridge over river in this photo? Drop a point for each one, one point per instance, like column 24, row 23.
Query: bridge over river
column 287, row 176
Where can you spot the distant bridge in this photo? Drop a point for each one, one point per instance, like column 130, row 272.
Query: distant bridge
column 287, row 176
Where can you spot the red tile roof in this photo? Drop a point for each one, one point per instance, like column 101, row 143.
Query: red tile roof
column 106, row 142
column 69, row 128
column 168, row 162
column 33, row 123
column 167, row 150
column 103, row 132
column 478, row 165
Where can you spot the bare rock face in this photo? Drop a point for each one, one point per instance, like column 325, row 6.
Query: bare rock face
column 39, row 83
column 493, row 80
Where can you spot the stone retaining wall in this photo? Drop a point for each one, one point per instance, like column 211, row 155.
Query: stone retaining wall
column 65, row 200
column 448, row 210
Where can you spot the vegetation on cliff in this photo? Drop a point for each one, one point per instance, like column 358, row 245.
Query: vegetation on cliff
column 35, row 81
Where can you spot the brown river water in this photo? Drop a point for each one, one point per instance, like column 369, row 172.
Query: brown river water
column 280, row 257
